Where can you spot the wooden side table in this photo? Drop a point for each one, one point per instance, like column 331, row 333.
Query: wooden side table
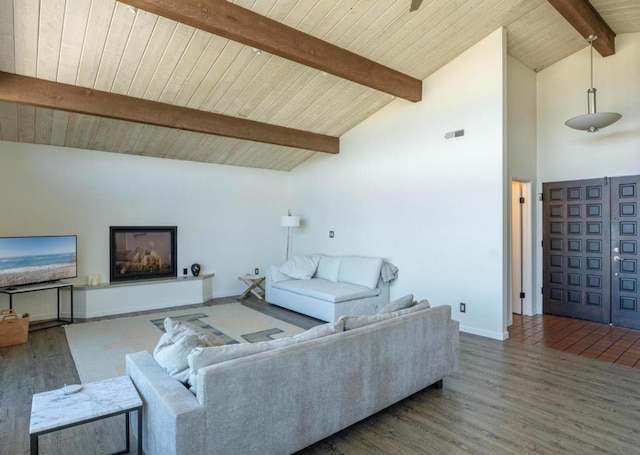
column 53, row 411
column 254, row 286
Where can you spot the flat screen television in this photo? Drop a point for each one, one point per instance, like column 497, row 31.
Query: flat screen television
column 30, row 260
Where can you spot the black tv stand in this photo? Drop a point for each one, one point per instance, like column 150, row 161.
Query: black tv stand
column 58, row 285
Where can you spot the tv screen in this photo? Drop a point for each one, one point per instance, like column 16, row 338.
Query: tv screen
column 29, row 260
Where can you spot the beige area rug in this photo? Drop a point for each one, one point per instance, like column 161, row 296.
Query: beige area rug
column 99, row 348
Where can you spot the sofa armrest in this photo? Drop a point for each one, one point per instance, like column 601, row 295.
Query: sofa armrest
column 172, row 416
column 384, row 296
column 273, row 276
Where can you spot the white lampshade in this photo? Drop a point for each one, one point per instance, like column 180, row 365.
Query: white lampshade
column 290, row 221
column 594, row 121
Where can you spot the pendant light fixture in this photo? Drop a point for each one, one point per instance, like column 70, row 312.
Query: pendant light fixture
column 593, row 120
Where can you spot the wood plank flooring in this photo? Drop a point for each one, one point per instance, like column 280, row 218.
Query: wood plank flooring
column 507, row 398
column 589, row 339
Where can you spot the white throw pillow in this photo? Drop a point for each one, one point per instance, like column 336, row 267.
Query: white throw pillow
column 300, row 267
column 328, row 268
column 173, row 356
column 360, row 270
column 277, row 275
column 177, row 329
column 174, row 346
column 398, row 304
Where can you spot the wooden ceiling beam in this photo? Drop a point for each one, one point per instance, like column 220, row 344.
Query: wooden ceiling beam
column 233, row 22
column 587, row 21
column 64, row 97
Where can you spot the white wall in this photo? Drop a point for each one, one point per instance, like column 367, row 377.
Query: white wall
column 227, row 217
column 521, row 152
column 433, row 207
column 567, row 154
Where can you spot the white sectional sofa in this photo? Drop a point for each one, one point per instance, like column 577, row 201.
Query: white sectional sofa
column 327, row 287
column 280, row 398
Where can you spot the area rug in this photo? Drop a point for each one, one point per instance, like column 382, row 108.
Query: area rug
column 99, row 348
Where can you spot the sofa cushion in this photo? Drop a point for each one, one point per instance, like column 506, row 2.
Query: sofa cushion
column 354, row 322
column 328, row 268
column 360, row 270
column 205, row 356
column 327, row 290
column 300, row 267
column 413, row 309
column 319, row 331
column 398, row 304
column 175, row 345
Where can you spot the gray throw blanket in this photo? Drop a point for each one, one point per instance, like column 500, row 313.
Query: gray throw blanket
column 388, row 272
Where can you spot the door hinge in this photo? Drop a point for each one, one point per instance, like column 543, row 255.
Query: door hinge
column 542, row 243
column 606, row 180
column 541, row 197
column 521, row 200
column 522, row 295
column 541, row 290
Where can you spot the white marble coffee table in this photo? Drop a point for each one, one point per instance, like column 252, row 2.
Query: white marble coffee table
column 52, row 411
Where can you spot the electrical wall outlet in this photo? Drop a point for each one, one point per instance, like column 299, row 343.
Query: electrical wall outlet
column 331, row 234
column 463, row 307
column 257, row 271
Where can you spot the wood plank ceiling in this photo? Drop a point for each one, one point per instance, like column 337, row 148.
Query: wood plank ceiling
column 103, row 45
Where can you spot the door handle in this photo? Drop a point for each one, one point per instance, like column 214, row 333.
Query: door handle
column 618, row 258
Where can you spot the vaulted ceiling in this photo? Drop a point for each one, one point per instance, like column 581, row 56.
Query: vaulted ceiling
column 132, row 81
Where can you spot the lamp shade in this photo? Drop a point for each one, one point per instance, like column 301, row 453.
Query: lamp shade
column 290, row 221
column 594, row 121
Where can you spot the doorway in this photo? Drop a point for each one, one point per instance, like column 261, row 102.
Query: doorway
column 520, row 301
column 590, row 250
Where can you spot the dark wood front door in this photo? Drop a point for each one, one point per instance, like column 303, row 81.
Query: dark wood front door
column 590, row 250
column 624, row 248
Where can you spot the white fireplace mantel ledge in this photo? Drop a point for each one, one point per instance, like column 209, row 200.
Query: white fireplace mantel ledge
column 88, row 287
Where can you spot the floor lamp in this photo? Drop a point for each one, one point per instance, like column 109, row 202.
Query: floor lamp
column 289, row 221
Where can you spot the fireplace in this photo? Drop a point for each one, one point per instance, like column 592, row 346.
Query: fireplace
column 142, row 253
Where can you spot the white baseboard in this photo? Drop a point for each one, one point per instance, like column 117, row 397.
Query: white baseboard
column 501, row 336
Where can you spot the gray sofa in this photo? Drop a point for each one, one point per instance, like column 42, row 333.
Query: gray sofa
column 282, row 400
column 336, row 286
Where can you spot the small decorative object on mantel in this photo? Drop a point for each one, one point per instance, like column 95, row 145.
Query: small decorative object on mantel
column 195, row 269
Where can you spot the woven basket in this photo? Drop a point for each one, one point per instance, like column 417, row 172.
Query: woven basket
column 13, row 329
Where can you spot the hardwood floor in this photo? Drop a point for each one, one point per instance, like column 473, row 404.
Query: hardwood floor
column 589, row 339
column 507, row 398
